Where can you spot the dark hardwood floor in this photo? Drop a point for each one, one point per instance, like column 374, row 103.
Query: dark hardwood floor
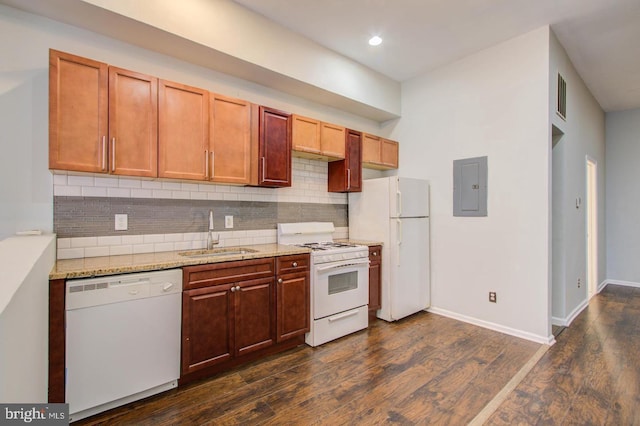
column 425, row 369
column 591, row 376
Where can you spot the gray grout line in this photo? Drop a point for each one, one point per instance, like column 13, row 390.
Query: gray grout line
column 501, row 396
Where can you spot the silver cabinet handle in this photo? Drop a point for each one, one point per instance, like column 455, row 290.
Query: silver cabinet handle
column 206, row 163
column 294, row 264
column 348, row 179
column 375, row 253
column 233, row 289
column 213, row 164
column 279, row 280
column 263, row 167
column 113, row 154
column 104, row 153
column 237, row 288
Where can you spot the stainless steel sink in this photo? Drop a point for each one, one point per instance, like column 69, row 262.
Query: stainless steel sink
column 217, row 252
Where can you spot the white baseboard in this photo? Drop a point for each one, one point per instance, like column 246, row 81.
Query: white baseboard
column 619, row 282
column 602, row 285
column 545, row 340
column 566, row 322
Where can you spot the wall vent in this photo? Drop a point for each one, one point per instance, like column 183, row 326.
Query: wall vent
column 562, row 97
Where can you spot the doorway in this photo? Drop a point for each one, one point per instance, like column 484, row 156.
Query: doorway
column 592, row 227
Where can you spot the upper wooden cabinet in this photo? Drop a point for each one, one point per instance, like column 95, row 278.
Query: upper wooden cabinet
column 316, row 139
column 133, row 123
column 379, row 153
column 346, row 175
column 183, row 129
column 78, row 113
column 102, row 119
column 230, row 140
column 274, row 149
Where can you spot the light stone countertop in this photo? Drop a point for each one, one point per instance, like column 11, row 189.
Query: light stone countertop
column 111, row 265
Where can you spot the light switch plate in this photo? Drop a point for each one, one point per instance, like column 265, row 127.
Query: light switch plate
column 228, row 222
column 122, row 222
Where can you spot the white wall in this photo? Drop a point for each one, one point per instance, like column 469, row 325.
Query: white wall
column 26, row 190
column 623, row 196
column 492, row 103
column 24, row 317
column 584, row 134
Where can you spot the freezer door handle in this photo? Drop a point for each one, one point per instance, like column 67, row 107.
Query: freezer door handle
column 399, row 202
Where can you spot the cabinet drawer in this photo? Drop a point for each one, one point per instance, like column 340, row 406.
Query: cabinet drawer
column 226, row 272
column 375, row 253
column 293, row 263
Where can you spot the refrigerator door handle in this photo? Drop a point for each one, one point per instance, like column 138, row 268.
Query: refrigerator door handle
column 399, row 239
column 399, row 202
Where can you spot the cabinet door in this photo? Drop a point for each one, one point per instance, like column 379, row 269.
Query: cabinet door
column 254, row 315
column 183, row 131
column 375, row 258
column 292, row 303
column 133, row 123
column 230, row 140
column 389, row 153
column 78, row 113
column 333, row 140
column 305, row 134
column 354, row 156
column 207, row 327
column 370, row 148
column 274, row 168
column 346, row 175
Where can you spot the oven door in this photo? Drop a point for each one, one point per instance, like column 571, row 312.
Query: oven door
column 340, row 286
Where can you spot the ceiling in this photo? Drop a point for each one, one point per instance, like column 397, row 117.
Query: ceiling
column 602, row 37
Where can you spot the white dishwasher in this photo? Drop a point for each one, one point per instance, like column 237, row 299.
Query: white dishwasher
column 122, row 339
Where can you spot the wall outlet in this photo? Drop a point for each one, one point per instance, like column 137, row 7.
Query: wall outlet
column 122, row 222
column 493, row 298
column 228, row 222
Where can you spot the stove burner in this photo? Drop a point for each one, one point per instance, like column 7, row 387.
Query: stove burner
column 325, row 245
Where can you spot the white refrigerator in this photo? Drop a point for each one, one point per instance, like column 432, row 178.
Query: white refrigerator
column 395, row 211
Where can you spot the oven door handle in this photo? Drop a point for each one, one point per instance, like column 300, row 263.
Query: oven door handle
column 342, row 265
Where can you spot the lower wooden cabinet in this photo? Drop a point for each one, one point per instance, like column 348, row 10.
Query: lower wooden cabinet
column 293, row 299
column 375, row 279
column 204, row 346
column 233, row 312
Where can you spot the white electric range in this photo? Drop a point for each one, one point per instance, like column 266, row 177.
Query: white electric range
column 339, row 280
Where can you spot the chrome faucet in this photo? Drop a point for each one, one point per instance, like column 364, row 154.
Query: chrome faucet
column 210, row 241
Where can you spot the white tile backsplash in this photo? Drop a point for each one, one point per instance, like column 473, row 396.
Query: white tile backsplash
column 309, row 185
column 73, row 248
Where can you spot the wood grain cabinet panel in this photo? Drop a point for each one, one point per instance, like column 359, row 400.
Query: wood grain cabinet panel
column 332, row 138
column 274, row 166
column 207, row 327
column 78, row 113
column 346, row 175
column 389, row 153
column 379, row 153
column 293, row 296
column 375, row 279
column 306, row 136
column 318, row 140
column 254, row 316
column 230, row 141
column 133, row 123
column 183, row 131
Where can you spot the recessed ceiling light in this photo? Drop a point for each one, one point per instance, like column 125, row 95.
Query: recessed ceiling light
column 375, row 40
